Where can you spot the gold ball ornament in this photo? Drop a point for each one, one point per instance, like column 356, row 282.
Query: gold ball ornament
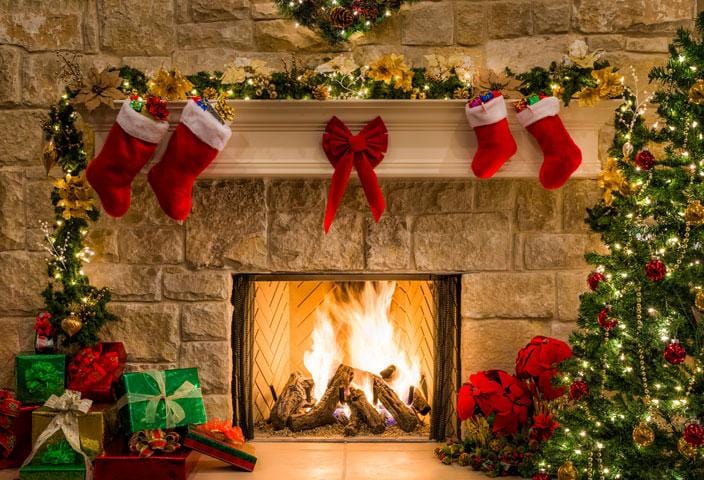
column 71, row 325
column 699, row 300
column 696, row 93
column 688, row 451
column 694, row 213
column 643, row 435
column 567, row 471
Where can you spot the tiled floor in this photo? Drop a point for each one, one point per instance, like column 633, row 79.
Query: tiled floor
column 333, row 461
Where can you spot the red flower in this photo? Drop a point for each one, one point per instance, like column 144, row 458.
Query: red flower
column 675, row 353
column 655, row 270
column 645, row 160
column 594, row 279
column 538, row 361
column 606, row 322
column 483, row 391
column 543, row 427
column 42, row 325
column 466, row 403
column 157, row 108
column 694, row 434
column 507, row 422
column 541, row 476
column 578, row 389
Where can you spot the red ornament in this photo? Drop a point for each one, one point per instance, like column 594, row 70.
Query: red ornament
column 694, row 434
column 655, row 270
column 675, row 353
column 578, row 390
column 157, row 108
column 594, row 279
column 606, row 322
column 645, row 160
column 541, row 476
column 538, row 361
column 42, row 325
column 363, row 152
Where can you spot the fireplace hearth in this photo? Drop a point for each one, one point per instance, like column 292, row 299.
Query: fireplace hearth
column 321, row 357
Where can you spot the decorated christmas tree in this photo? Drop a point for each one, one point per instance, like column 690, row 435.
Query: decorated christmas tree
column 635, row 397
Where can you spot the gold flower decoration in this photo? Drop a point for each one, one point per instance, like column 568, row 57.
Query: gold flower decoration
column 75, row 197
column 489, row 79
column 392, row 68
column 696, row 92
column 170, row 85
column 609, row 84
column 694, row 213
column 99, row 88
column 611, row 179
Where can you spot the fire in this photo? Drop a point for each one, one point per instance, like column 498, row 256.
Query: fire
column 354, row 328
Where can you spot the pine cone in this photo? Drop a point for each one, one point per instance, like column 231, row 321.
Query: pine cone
column 321, row 92
column 341, row 17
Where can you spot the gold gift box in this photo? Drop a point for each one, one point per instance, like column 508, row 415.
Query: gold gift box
column 95, row 428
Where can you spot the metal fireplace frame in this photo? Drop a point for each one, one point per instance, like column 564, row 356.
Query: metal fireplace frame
column 447, row 361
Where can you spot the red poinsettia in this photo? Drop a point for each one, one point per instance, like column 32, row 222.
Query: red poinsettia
column 482, row 392
column 507, row 422
column 541, row 476
column 605, row 321
column 543, row 427
column 42, row 325
column 538, row 362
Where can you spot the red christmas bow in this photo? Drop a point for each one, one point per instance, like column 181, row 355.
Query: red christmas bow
column 364, row 151
column 147, row 442
column 223, row 430
column 91, row 368
column 9, row 410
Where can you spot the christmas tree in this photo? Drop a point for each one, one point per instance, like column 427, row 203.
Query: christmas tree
column 636, row 389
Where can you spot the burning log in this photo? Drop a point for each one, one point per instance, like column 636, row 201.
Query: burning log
column 363, row 412
column 420, row 403
column 388, row 373
column 293, row 397
column 404, row 416
column 322, row 412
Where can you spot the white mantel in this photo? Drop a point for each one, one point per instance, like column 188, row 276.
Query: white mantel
column 427, row 138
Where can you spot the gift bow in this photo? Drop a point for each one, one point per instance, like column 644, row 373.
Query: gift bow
column 68, row 407
column 364, row 151
column 146, row 442
column 174, row 412
column 224, row 430
column 58, row 454
column 42, row 378
column 91, row 367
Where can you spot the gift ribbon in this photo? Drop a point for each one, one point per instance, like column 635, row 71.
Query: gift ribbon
column 146, row 442
column 91, row 367
column 173, row 411
column 364, row 152
column 9, row 410
column 68, row 407
column 42, row 378
column 223, row 430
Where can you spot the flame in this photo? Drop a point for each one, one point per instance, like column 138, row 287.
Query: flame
column 355, row 328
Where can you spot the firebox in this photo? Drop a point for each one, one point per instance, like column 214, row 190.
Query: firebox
column 341, row 357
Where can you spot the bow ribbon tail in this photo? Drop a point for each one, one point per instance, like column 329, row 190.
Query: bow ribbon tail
column 340, row 178
column 370, row 185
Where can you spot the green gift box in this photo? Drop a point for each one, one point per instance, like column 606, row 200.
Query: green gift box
column 39, row 376
column 58, row 463
column 161, row 399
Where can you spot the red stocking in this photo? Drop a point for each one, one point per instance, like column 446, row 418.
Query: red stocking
column 197, row 140
column 495, row 144
column 130, row 144
column 561, row 156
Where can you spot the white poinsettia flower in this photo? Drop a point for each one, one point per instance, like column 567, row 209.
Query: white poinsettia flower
column 260, row 67
column 233, row 74
column 343, row 64
column 464, row 69
column 578, row 49
column 578, row 54
column 438, row 67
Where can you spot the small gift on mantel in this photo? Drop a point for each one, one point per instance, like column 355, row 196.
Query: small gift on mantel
column 39, row 376
column 49, row 458
column 149, row 454
column 58, row 462
column 95, row 371
column 161, row 399
column 220, row 440
column 15, row 430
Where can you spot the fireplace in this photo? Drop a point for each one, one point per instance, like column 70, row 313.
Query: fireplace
column 333, row 357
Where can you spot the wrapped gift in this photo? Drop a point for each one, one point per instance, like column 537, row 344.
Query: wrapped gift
column 58, row 462
column 118, row 463
column 222, row 441
column 39, row 376
column 95, row 427
column 15, row 430
column 161, row 399
column 95, row 371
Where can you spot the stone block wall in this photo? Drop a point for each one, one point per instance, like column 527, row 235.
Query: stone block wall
column 519, row 247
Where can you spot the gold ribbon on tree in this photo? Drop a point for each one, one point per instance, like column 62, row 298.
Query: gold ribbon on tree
column 68, row 407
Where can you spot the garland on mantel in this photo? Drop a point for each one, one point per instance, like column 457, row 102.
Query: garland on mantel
column 75, row 310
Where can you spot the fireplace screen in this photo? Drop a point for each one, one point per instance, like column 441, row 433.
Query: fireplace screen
column 321, row 357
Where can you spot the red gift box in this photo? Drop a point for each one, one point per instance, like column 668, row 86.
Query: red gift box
column 21, row 428
column 94, row 371
column 238, row 454
column 118, row 463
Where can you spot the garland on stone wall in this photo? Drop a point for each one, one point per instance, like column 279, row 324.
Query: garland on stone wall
column 76, row 310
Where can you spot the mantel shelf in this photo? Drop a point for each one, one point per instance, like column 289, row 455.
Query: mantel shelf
column 427, row 138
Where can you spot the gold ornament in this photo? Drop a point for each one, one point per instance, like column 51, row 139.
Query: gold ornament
column 71, row 325
column 612, row 180
column 699, row 300
column 496, row 444
column 210, row 93
column 643, row 435
column 223, row 109
column 170, row 85
column 694, row 213
column 76, row 198
column 99, row 88
column 49, row 156
column 460, row 93
column 392, row 68
column 688, row 451
column 418, row 94
column 567, row 471
column 321, row 92
column 609, row 84
column 696, row 92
